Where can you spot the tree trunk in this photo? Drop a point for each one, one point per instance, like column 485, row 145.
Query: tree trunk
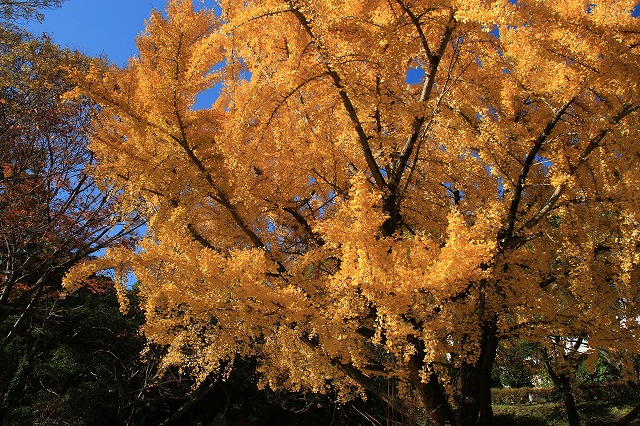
column 629, row 417
column 569, row 401
column 432, row 395
column 562, row 384
column 475, row 409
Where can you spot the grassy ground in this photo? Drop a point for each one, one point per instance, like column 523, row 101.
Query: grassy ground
column 553, row 413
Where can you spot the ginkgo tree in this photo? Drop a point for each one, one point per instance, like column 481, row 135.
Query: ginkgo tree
column 346, row 222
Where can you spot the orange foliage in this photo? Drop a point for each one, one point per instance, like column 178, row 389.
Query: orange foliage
column 342, row 223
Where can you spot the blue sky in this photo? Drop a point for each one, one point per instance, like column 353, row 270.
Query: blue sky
column 106, row 27
column 109, row 27
column 97, row 27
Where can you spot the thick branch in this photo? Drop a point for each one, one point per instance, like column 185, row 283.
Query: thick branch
column 595, row 142
column 305, row 225
column 418, row 122
column 363, row 139
column 515, row 202
column 194, row 399
column 219, row 194
column 415, row 20
column 363, row 380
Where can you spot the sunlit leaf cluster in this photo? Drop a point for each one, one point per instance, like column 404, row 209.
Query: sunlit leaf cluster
column 341, row 220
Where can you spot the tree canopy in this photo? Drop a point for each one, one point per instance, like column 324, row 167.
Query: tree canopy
column 382, row 190
column 51, row 212
column 52, row 215
column 15, row 10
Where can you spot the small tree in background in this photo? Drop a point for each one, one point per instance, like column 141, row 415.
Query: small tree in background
column 16, row 10
column 52, row 214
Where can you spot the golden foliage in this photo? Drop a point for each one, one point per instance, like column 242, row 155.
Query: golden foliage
column 328, row 212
